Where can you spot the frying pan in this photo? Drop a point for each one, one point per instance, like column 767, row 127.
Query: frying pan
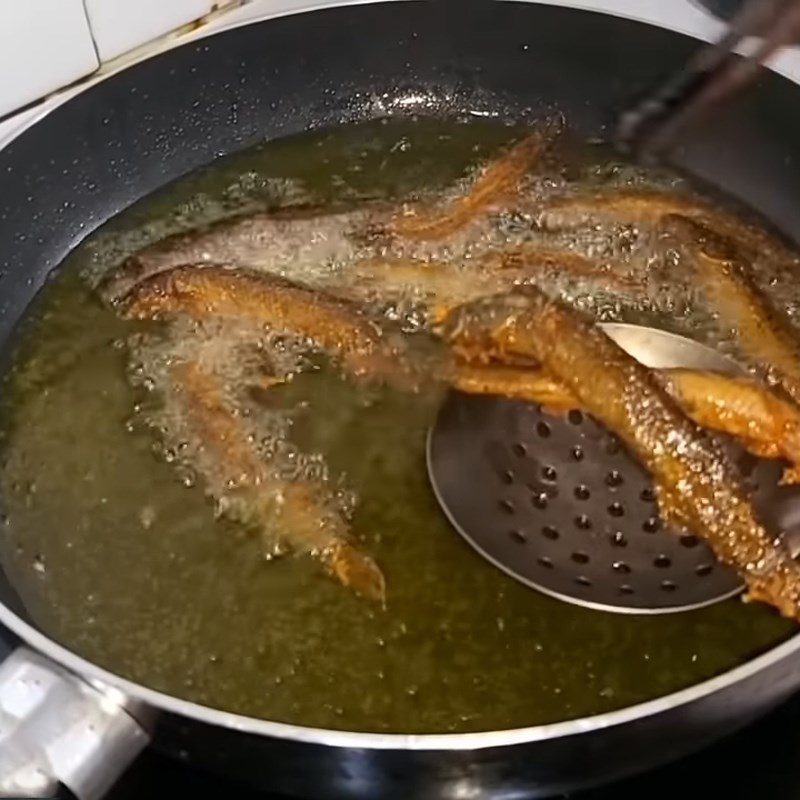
column 99, row 152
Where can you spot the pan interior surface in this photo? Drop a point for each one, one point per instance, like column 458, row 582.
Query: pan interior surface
column 119, row 555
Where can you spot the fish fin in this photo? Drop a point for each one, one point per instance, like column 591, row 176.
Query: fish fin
column 357, row 571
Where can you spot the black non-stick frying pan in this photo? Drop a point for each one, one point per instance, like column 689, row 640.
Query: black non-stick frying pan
column 130, row 134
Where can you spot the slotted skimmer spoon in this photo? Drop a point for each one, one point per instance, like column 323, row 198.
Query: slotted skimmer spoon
column 557, row 503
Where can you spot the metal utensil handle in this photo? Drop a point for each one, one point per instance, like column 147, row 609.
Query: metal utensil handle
column 57, row 729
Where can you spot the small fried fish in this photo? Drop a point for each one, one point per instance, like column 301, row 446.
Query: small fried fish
column 440, row 287
column 766, row 425
column 764, row 332
column 649, row 207
column 331, row 324
column 697, row 487
column 496, row 182
column 297, row 513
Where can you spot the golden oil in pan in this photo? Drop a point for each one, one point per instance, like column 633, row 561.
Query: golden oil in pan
column 118, row 553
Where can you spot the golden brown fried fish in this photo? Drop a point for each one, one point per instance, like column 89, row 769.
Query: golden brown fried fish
column 297, row 513
column 765, row 425
column 275, row 242
column 498, row 180
column 649, row 207
column 441, row 287
column 696, row 485
column 300, row 238
column 333, row 325
column 764, row 332
column 516, row 383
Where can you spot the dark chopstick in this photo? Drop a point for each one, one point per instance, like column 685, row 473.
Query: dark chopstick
column 711, row 76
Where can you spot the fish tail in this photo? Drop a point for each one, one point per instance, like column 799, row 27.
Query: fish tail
column 791, row 476
column 357, row 571
column 495, row 181
column 777, row 586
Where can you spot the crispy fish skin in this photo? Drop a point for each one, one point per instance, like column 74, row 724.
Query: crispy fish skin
column 635, row 206
column 516, row 383
column 495, row 183
column 276, row 242
column 764, row 332
column 331, row 324
column 697, row 487
column 291, row 244
column 532, row 261
column 296, row 511
column 443, row 286
column 273, row 241
column 439, row 286
column 766, row 425
column 650, row 206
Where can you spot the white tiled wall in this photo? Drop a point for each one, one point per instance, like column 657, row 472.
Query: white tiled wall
column 121, row 25
column 44, row 44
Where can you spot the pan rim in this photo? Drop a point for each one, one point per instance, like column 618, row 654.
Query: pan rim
column 480, row 740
